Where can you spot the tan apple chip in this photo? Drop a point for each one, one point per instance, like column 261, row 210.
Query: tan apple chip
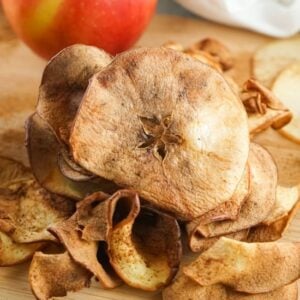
column 26, row 209
column 263, row 108
column 269, row 60
column 287, row 88
column 144, row 244
column 54, row 275
column 45, row 151
column 185, row 288
column 89, row 254
column 64, row 81
column 261, row 198
column 168, row 104
column 247, row 267
column 12, row 253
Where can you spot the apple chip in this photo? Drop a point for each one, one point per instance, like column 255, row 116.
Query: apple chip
column 274, row 57
column 197, row 243
column 263, row 108
column 44, row 151
column 287, row 88
column 54, row 275
column 168, row 105
column 144, row 244
column 273, row 231
column 12, row 253
column 216, row 49
column 26, row 209
column 286, row 199
column 247, row 267
column 64, row 81
column 185, row 288
column 260, row 201
column 173, row 45
column 89, row 254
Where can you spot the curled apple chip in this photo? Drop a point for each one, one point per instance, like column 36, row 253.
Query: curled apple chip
column 263, row 108
column 64, row 81
column 216, row 49
column 260, row 201
column 168, row 105
column 89, row 254
column 173, row 45
column 287, row 87
column 185, row 288
column 26, row 209
column 12, row 253
column 54, row 275
column 247, row 267
column 44, row 151
column 144, row 244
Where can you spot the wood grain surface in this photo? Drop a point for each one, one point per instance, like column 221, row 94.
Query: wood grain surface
column 20, row 73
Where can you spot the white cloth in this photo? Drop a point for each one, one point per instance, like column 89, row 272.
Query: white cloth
column 278, row 18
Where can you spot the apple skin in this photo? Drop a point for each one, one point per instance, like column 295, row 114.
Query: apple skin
column 47, row 26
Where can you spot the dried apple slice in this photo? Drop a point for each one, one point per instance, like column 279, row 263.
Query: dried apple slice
column 26, row 209
column 216, row 49
column 263, row 108
column 168, row 105
column 286, row 199
column 64, row 81
column 144, row 244
column 12, row 253
column 54, row 275
column 89, row 254
column 274, row 57
column 186, row 288
column 287, row 87
column 260, row 201
column 44, row 150
column 197, row 243
column 247, row 267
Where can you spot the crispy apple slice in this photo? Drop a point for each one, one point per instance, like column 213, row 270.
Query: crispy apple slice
column 186, row 288
column 54, row 275
column 260, row 201
column 169, row 105
column 247, row 267
column 44, row 151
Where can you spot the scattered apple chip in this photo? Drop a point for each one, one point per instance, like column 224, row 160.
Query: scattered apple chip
column 44, row 151
column 168, row 105
column 185, row 288
column 54, row 275
column 263, row 108
column 287, row 88
column 260, row 201
column 216, row 49
column 173, row 45
column 274, row 57
column 88, row 254
column 144, row 244
column 247, row 267
column 12, row 253
column 64, row 81
column 26, row 209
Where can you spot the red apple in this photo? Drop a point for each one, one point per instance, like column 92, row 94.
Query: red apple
column 47, row 26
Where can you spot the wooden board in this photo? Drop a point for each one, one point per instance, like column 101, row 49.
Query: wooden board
column 20, row 73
